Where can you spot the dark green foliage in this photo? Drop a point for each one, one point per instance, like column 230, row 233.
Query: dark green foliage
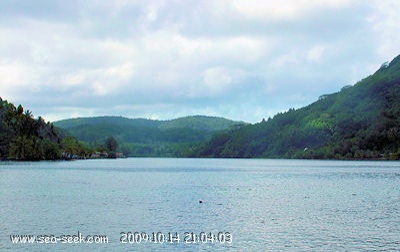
column 143, row 137
column 360, row 121
column 24, row 138
column 71, row 148
column 111, row 144
column 107, row 120
column 202, row 123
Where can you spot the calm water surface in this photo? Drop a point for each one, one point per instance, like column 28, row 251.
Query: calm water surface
column 266, row 205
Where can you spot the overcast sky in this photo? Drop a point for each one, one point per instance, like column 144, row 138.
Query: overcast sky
column 240, row 59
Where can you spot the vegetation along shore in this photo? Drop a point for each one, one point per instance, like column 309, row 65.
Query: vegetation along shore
column 361, row 121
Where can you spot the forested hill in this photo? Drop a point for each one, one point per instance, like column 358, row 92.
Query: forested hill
column 206, row 123
column 360, row 121
column 24, row 138
column 145, row 137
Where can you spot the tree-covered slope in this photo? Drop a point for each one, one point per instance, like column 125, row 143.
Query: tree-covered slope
column 204, row 123
column 360, row 121
column 24, row 138
column 108, row 120
column 144, row 137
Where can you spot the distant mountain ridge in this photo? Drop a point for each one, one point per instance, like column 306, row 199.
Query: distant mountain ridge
column 197, row 122
column 358, row 122
column 115, row 120
column 145, row 137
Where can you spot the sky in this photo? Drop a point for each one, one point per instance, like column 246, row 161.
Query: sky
column 240, row 59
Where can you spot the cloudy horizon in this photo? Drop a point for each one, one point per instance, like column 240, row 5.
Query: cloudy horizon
column 240, row 59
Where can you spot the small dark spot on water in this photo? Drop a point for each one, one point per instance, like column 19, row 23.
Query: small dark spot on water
column 200, row 201
column 353, row 194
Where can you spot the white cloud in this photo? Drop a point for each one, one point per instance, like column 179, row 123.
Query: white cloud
column 216, row 81
column 385, row 22
column 285, row 9
column 11, row 73
column 315, row 53
column 173, row 58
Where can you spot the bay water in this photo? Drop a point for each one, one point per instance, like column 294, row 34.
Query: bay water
column 162, row 204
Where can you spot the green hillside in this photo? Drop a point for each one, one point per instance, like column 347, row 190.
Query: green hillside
column 144, row 137
column 109, row 120
column 204, row 123
column 23, row 137
column 360, row 121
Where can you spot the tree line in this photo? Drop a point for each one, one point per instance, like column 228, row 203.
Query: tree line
column 358, row 122
column 23, row 137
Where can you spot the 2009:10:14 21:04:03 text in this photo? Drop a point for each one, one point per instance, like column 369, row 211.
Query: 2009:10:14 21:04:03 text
column 175, row 237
